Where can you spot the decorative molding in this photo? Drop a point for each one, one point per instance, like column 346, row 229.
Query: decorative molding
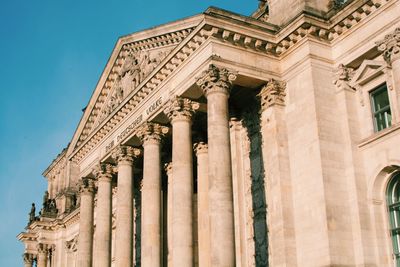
column 390, row 46
column 151, row 132
column 216, row 79
column 72, row 245
column 273, row 93
column 179, row 108
column 262, row 12
column 126, row 154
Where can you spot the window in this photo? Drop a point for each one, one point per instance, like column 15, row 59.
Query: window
column 382, row 115
column 393, row 202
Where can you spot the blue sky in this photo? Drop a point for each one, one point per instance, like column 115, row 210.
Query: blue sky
column 51, row 55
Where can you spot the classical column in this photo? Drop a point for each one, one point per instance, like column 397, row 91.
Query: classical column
column 85, row 243
column 180, row 112
column 150, row 135
column 277, row 185
column 103, row 215
column 203, row 219
column 216, row 84
column 168, row 170
column 125, row 156
column 28, row 259
column 42, row 255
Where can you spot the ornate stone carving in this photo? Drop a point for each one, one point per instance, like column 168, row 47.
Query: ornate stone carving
column 216, row 79
column 86, row 185
column 343, row 76
column 136, row 67
column 49, row 208
column 104, row 170
column 126, row 153
column 151, row 132
column 42, row 248
column 168, row 168
column 390, row 46
column 273, row 93
column 200, row 148
column 262, row 12
column 72, row 245
column 179, row 108
column 28, row 258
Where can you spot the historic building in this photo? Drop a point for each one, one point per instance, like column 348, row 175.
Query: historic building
column 227, row 140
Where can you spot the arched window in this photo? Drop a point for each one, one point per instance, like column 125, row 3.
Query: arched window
column 393, row 203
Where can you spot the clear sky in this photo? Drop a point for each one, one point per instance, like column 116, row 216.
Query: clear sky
column 51, row 56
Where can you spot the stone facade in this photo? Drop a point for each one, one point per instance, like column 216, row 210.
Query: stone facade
column 226, row 140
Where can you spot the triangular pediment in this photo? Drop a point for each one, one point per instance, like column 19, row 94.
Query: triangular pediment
column 134, row 57
column 368, row 70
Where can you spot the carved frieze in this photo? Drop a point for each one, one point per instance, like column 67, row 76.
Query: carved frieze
column 390, row 46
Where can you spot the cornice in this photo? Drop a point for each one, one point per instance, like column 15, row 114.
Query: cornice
column 58, row 163
column 236, row 31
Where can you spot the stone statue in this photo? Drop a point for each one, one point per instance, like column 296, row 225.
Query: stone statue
column 45, row 199
column 32, row 213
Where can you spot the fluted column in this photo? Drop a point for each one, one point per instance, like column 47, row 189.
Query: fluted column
column 28, row 259
column 103, row 215
column 42, row 255
column 180, row 112
column 168, row 170
column 85, row 241
column 216, row 85
column 151, row 134
column 125, row 156
column 201, row 150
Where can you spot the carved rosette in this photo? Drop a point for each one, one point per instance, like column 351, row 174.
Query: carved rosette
column 28, row 258
column 179, row 108
column 200, row 148
column 104, row 171
column 390, row 46
column 151, row 133
column 86, row 185
column 216, row 79
column 273, row 93
column 343, row 76
column 126, row 154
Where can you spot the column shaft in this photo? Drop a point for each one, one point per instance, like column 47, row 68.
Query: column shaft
column 203, row 218
column 216, row 85
column 151, row 206
column 124, row 230
column 180, row 112
column 168, row 169
column 103, row 216
column 85, row 243
column 42, row 255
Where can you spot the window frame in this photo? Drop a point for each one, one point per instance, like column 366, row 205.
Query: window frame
column 384, row 110
column 393, row 209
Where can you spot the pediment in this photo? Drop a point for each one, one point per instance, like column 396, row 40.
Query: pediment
column 133, row 59
column 368, row 70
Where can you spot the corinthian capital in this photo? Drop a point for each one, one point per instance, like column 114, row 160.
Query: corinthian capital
column 200, row 148
column 126, row 154
column 104, row 170
column 151, row 132
column 86, row 185
column 42, row 248
column 215, row 79
column 179, row 108
column 273, row 93
column 390, row 46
